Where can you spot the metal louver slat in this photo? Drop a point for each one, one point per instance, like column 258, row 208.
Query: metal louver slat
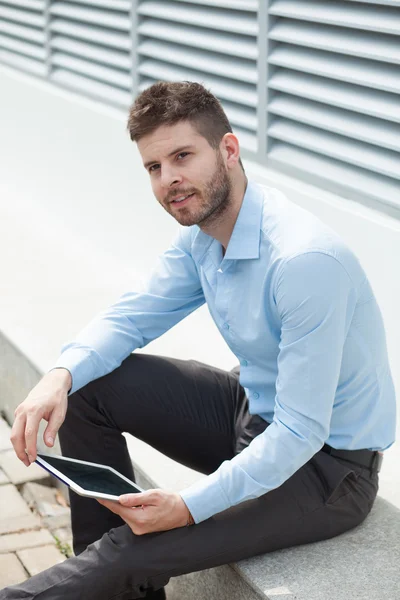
column 240, row 92
column 240, row 117
column 249, row 5
column 92, row 34
column 92, row 70
column 366, row 129
column 22, row 62
column 201, row 16
column 376, row 75
column 375, row 159
column 203, row 61
column 382, row 2
column 33, row 35
column 29, row 4
column 343, row 14
column 92, row 88
column 181, row 34
column 355, row 43
column 21, row 16
column 363, row 100
column 23, row 48
column 106, row 56
column 114, row 4
column 342, row 177
column 88, row 15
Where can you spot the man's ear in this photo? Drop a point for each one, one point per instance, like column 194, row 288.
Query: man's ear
column 230, row 150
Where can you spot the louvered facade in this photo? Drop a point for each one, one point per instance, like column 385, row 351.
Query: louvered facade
column 334, row 93
column 311, row 87
column 210, row 42
column 23, row 35
column 90, row 43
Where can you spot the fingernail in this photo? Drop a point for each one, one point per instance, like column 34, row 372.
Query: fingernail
column 50, row 440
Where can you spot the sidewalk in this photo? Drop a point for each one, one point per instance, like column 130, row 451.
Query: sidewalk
column 35, row 531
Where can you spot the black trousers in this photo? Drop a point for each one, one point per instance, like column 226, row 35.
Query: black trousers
column 197, row 415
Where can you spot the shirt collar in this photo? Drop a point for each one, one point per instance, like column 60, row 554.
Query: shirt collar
column 245, row 239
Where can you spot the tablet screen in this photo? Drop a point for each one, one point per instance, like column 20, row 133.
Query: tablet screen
column 90, row 478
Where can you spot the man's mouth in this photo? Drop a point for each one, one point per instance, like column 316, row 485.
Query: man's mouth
column 181, row 200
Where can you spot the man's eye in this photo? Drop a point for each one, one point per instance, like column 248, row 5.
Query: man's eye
column 153, row 168
column 183, row 154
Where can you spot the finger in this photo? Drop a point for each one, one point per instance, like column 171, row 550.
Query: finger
column 31, row 431
column 137, row 499
column 17, row 438
column 131, row 500
column 54, row 424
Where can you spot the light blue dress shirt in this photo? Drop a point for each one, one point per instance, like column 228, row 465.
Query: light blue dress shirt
column 295, row 306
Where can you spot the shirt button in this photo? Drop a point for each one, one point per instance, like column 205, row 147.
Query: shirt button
column 225, row 326
column 256, row 395
column 244, row 363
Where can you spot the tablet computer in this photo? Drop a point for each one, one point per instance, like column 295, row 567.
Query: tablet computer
column 87, row 478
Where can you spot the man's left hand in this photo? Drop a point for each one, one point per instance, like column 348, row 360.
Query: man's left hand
column 153, row 510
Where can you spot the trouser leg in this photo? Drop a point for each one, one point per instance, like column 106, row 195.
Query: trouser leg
column 184, row 409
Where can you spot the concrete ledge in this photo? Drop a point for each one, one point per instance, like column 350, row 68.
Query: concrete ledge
column 17, row 377
column 360, row 564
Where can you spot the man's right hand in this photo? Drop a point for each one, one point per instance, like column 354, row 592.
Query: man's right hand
column 47, row 400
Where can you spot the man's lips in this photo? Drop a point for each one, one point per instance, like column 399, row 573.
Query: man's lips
column 182, row 202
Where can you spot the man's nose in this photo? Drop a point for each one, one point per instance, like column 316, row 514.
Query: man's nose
column 169, row 177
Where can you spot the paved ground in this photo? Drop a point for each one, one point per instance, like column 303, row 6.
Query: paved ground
column 35, row 521
column 35, row 528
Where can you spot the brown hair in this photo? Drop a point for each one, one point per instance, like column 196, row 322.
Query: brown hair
column 167, row 103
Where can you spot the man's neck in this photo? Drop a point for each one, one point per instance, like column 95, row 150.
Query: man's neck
column 222, row 229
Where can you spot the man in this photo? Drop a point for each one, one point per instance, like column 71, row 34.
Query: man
column 289, row 447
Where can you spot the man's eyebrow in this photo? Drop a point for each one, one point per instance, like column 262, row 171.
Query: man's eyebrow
column 176, row 151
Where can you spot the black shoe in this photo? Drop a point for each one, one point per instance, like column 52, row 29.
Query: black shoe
column 156, row 595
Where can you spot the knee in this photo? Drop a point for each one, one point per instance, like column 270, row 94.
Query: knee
column 136, row 560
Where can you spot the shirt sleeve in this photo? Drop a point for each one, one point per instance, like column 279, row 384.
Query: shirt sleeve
column 315, row 300
column 172, row 292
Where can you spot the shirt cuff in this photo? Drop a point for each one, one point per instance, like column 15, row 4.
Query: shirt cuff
column 78, row 363
column 205, row 498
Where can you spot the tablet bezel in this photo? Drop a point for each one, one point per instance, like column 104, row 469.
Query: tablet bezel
column 73, row 485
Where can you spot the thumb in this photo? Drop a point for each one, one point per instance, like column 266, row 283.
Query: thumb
column 54, row 424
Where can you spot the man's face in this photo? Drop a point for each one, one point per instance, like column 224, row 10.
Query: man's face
column 181, row 164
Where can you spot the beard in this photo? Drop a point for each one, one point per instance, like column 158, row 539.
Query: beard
column 210, row 203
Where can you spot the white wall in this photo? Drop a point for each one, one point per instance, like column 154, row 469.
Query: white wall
column 75, row 211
